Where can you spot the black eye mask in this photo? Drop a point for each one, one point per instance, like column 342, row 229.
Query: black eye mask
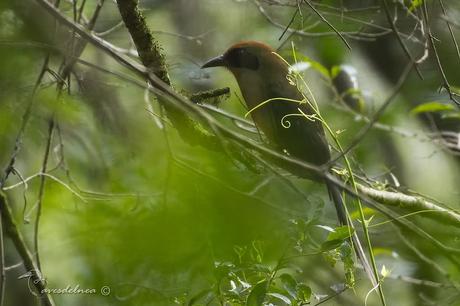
column 241, row 58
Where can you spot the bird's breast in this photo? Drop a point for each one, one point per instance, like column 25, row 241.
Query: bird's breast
column 268, row 100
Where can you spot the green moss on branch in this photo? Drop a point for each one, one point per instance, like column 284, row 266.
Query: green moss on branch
column 12, row 231
column 151, row 55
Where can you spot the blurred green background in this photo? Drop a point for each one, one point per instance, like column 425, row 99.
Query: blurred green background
column 134, row 207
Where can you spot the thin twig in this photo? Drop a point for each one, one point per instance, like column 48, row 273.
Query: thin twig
column 80, row 10
column 450, row 21
column 363, row 132
column 24, row 121
column 357, row 35
column 328, row 298
column 326, row 6
column 52, row 177
column 386, row 8
column 371, row 24
column 328, row 23
column 452, row 35
column 42, row 190
column 289, row 23
column 422, row 256
column 110, row 30
column 446, row 84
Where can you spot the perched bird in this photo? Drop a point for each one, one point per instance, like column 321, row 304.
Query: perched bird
column 271, row 96
column 262, row 75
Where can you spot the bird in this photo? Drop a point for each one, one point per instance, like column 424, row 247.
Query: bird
column 278, row 109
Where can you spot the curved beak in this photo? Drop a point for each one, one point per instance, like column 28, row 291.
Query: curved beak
column 214, row 62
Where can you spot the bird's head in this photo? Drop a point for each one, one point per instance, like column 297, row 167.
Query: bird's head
column 249, row 58
column 257, row 69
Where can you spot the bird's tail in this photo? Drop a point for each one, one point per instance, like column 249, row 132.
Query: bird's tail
column 336, row 197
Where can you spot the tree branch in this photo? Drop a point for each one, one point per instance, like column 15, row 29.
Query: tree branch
column 401, row 200
column 11, row 229
column 151, row 55
column 210, row 94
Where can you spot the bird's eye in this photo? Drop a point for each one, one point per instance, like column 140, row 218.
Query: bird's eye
column 242, row 58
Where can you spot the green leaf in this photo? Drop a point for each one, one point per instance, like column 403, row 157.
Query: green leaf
column 281, row 297
column 451, row 115
column 340, row 233
column 314, row 64
column 336, row 237
column 414, row 4
column 346, row 255
column 289, row 284
column 257, row 295
column 367, row 211
column 331, row 244
column 385, row 272
column 431, row 107
column 335, row 70
column 331, row 256
column 303, row 293
column 260, row 268
column 325, row 227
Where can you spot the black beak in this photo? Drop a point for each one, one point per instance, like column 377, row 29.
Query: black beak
column 214, row 62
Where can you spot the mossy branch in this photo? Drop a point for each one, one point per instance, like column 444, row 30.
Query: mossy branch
column 151, row 55
column 11, row 230
column 412, row 203
column 219, row 93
